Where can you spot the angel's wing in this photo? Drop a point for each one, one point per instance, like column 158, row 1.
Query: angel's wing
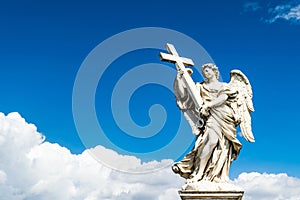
column 243, row 105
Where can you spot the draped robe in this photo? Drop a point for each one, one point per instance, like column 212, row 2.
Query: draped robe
column 220, row 123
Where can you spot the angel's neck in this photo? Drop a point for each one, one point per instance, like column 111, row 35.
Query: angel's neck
column 212, row 80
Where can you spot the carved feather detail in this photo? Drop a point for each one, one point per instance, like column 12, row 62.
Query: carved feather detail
column 243, row 104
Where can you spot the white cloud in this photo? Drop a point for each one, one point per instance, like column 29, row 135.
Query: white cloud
column 269, row 186
column 251, row 6
column 286, row 12
column 31, row 169
column 126, row 163
column 2, row 177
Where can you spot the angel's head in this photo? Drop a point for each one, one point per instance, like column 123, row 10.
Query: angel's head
column 210, row 67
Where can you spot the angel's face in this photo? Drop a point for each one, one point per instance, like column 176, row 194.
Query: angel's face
column 208, row 73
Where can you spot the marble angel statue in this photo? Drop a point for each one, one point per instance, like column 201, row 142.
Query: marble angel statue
column 213, row 109
column 224, row 106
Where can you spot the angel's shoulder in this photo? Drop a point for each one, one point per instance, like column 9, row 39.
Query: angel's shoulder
column 199, row 85
column 225, row 86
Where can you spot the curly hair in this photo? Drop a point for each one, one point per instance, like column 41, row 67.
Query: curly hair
column 213, row 67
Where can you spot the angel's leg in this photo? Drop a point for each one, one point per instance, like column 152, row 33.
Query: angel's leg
column 205, row 155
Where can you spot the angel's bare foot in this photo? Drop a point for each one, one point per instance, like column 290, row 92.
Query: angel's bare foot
column 195, row 179
column 189, row 181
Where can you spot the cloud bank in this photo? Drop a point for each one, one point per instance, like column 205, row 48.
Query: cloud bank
column 269, row 186
column 31, row 169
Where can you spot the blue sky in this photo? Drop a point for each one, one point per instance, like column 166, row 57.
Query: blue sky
column 43, row 45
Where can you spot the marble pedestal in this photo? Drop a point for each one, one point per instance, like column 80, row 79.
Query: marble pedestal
column 210, row 195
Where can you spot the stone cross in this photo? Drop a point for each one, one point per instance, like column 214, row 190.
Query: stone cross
column 173, row 57
column 180, row 63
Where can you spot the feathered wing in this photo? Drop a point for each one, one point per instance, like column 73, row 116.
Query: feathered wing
column 243, row 105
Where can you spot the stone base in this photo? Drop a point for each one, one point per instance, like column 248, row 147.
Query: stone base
column 210, row 195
